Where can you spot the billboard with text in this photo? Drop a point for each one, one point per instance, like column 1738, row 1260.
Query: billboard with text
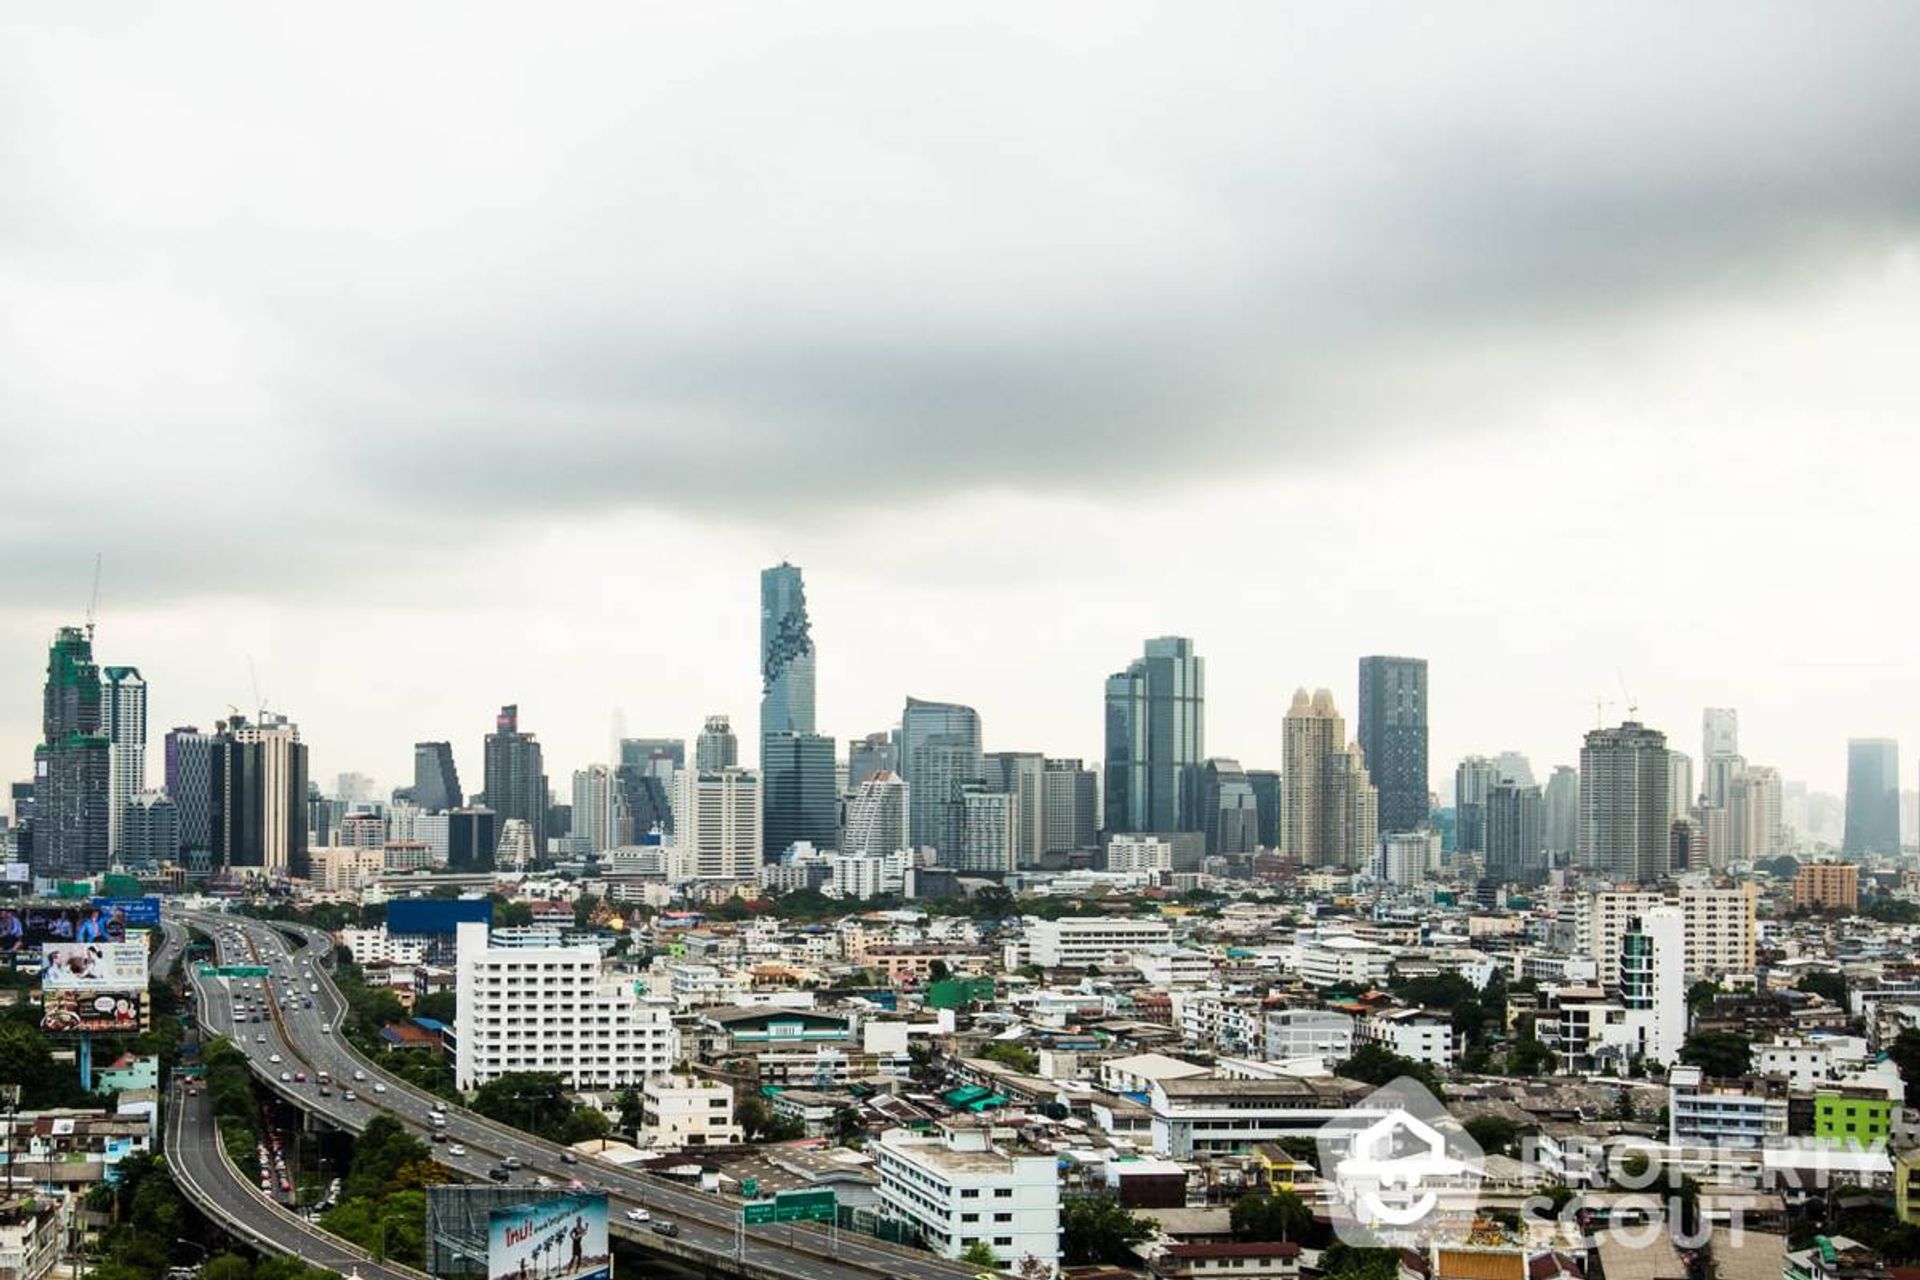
column 93, row 966
column 106, row 1012
column 564, row 1238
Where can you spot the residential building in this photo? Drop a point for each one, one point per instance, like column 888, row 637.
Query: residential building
column 33, row 1231
column 1653, row 983
column 436, row 781
column 516, row 776
column 720, row 833
column 961, row 1189
column 1201, row 1116
column 986, row 829
column 876, row 753
column 1392, row 732
column 1515, row 835
column 259, row 798
column 716, row 747
column 1235, row 1259
column 1853, row 1114
column 786, row 654
column 1342, row 960
column 877, row 815
column 1022, row 775
column 1873, row 796
column 1560, row 810
column 595, row 805
column 1267, row 793
column 1071, row 797
column 1156, row 739
column 1680, row 793
column 1419, row 1035
column 1140, row 853
column 1078, row 942
column 554, row 1009
column 1330, row 810
column 1723, row 1113
column 939, row 750
column 73, row 766
column 1753, row 808
column 680, row 1111
column 1473, row 778
column 123, row 722
column 1410, row 858
column 1720, row 926
column 150, row 831
column 337, row 869
column 1625, row 825
column 1827, row 886
column 1310, row 1033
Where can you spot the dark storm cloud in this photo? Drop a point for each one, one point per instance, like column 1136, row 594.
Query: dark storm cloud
column 757, row 263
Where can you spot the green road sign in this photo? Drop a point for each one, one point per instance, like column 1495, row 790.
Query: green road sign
column 750, row 1187
column 235, row 970
column 791, row 1206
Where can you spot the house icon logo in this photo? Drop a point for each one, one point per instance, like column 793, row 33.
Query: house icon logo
column 1399, row 1171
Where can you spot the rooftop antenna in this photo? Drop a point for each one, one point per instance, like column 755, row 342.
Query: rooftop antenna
column 93, row 601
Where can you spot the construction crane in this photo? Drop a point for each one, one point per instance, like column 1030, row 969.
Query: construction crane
column 1633, row 707
column 93, row 601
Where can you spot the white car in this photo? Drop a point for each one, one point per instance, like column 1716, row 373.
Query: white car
column 326, row 1028
column 259, row 1039
column 275, row 1059
column 359, row 1075
column 456, row 1150
column 379, row 1088
column 638, row 1215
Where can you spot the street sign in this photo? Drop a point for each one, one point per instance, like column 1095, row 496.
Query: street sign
column 235, row 970
column 791, row 1206
column 750, row 1188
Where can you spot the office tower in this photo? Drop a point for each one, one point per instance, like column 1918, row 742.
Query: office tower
column 939, row 749
column 1393, row 737
column 800, row 799
column 436, row 782
column 877, row 815
column 1680, row 793
column 189, row 781
column 654, row 753
column 643, row 802
column 1231, row 810
column 1472, row 779
column 1267, row 800
column 1717, row 784
column 594, row 802
column 1072, row 804
column 1719, row 752
column 1753, row 812
column 123, row 722
column 786, row 653
column 986, row 826
column 720, row 836
column 259, row 798
column 1686, row 846
column 515, row 776
column 1021, row 774
column 473, row 838
column 875, row 753
column 716, row 747
column 1329, row 813
column 1873, row 797
column 1625, row 825
column 152, row 831
column 1560, row 812
column 73, row 765
column 1516, row 840
column 1652, row 977
column 1514, row 766
column 1156, row 739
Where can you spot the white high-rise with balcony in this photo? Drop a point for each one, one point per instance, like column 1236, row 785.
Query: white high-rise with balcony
column 877, row 815
column 718, row 825
column 123, row 722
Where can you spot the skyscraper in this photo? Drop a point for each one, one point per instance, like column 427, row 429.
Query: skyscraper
column 719, row 835
column 515, row 776
column 1472, row 779
column 1330, row 814
column 152, row 831
column 875, row 753
column 1156, row 740
column 123, row 722
column 594, row 802
column 1753, row 810
column 1873, row 796
column 1268, row 804
column 939, row 750
column 1232, row 811
column 1680, row 792
column 72, row 766
column 985, row 825
column 1021, row 774
column 1561, row 805
column 189, row 770
column 877, row 815
column 716, row 747
column 1072, row 801
column 1393, row 737
column 1516, row 843
column 1625, row 825
column 436, row 782
column 1719, row 752
column 786, row 653
column 800, row 799
column 259, row 798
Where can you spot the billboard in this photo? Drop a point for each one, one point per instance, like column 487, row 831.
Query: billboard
column 93, row 966
column 24, row 926
column 564, row 1238
column 134, row 913
column 102, row 1011
column 435, row 917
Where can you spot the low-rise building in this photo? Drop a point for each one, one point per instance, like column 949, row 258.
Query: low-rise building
column 1204, row 1116
column 1080, row 942
column 1416, row 1034
column 1309, row 1033
column 686, row 1111
column 32, row 1229
column 1239, row 1259
column 961, row 1188
column 1723, row 1113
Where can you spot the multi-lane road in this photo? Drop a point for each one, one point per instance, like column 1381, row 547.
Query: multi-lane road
column 305, row 1041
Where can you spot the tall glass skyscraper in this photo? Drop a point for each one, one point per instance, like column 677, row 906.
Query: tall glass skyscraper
column 1393, row 737
column 802, row 795
column 1873, row 796
column 786, row 653
column 1156, row 740
column 72, row 766
column 939, row 750
column 123, row 721
column 436, row 782
column 516, row 776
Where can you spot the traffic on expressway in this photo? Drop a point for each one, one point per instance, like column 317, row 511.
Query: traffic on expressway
column 295, row 1044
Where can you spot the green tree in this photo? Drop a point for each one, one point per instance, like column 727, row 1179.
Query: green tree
column 227, row 1266
column 585, row 1124
column 979, row 1254
column 1529, row 1057
column 1905, row 1054
column 1007, row 1053
column 441, row 1006
column 1375, row 1065
column 1280, row 1216
column 1097, row 1229
column 1720, row 1054
column 632, row 1110
column 1496, row 1135
column 1702, row 992
column 1833, row 986
column 532, row 1101
column 1342, row 1261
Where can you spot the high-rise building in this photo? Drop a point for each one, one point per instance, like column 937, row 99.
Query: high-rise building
column 1232, row 811
column 800, row 796
column 1072, row 803
column 123, row 722
column 1652, row 979
column 642, row 802
column 716, row 747
column 1021, row 774
column 1829, row 886
column 1625, row 825
column 875, row 753
column 1680, row 793
column 719, row 836
column 1719, row 753
column 189, row 769
column 259, row 798
column 877, row 815
column 73, row 765
column 1267, row 792
column 1472, row 779
column 1330, row 814
column 1156, row 739
column 515, row 775
column 1516, row 841
column 1873, row 796
column 1561, row 815
column 939, row 750
column 1393, row 737
column 152, row 831
column 986, row 825
column 436, row 782
column 786, row 653
column 595, row 799
column 473, row 838
column 1753, row 809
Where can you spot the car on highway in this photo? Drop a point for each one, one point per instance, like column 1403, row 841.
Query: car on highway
column 456, row 1150
column 665, row 1228
column 326, row 1028
column 567, row 1157
column 351, row 1096
column 498, row 1174
column 287, row 1077
column 638, row 1215
column 259, row 1039
column 510, row 1162
column 299, row 1077
column 359, row 1075
column 439, row 1137
column 378, row 1087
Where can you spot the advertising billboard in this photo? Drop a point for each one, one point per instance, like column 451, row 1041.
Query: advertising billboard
column 93, row 966
column 564, row 1238
column 134, row 913
column 102, row 1011
column 24, row 926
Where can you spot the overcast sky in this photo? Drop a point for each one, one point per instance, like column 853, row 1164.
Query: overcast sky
column 431, row 357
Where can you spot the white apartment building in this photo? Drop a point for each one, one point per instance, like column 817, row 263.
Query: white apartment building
column 1174, row 966
column 343, row 869
column 1653, row 984
column 554, row 1009
column 377, row 946
column 1410, row 858
column 1419, row 1035
column 1077, row 942
column 1340, row 959
column 1132, row 853
column 866, row 875
column 1201, row 1116
column 695, row 986
column 1723, row 1113
column 686, row 1111
column 1231, row 1024
column 1309, row 1033
column 1803, row 1064
column 961, row 1189
column 717, row 825
column 877, row 815
column 1720, row 926
column 1586, row 1030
